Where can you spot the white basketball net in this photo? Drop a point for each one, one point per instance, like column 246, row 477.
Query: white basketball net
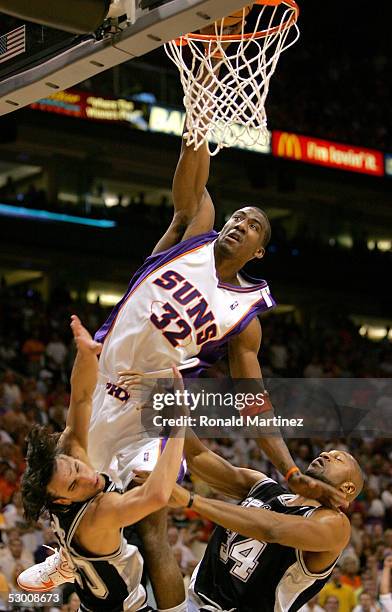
column 225, row 87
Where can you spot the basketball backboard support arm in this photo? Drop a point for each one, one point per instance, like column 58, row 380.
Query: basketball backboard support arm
column 151, row 29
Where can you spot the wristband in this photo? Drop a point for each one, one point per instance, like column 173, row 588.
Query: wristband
column 255, row 409
column 291, row 471
column 191, row 499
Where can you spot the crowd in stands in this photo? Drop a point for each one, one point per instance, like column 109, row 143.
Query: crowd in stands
column 36, row 355
column 329, row 87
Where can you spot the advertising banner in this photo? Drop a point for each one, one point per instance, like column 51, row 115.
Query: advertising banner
column 83, row 105
column 326, row 153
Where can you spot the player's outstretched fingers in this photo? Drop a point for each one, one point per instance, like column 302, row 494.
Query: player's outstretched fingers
column 84, row 342
column 129, row 378
column 76, row 323
column 128, row 382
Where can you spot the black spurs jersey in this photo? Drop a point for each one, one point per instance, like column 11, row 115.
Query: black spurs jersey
column 108, row 583
column 246, row 575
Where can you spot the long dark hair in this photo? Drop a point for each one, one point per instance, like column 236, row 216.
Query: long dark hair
column 42, row 450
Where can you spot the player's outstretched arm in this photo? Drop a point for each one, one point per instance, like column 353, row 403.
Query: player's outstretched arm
column 122, row 510
column 218, row 473
column 325, row 530
column 83, row 382
column 194, row 212
column 244, row 364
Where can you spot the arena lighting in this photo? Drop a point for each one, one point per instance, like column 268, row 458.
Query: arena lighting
column 43, row 215
column 105, row 299
column 375, row 333
column 382, row 245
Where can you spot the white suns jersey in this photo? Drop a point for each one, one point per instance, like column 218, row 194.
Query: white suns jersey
column 177, row 310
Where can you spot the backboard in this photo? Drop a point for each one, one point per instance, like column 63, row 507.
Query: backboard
column 52, row 60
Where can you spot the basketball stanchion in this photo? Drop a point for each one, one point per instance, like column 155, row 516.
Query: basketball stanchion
column 225, row 73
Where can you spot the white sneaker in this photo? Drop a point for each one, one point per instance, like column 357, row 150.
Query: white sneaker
column 52, row 572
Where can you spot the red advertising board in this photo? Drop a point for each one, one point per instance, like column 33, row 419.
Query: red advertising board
column 326, row 153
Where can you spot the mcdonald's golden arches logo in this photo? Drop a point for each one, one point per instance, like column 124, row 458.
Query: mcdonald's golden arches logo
column 289, row 145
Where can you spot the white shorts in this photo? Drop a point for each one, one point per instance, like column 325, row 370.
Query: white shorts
column 118, row 442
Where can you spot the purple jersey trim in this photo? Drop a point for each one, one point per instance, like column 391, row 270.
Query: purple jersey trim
column 257, row 283
column 158, row 260
column 215, row 350
column 150, row 265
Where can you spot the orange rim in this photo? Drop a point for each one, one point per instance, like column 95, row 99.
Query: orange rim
column 182, row 40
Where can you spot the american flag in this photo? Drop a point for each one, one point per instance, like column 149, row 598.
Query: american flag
column 13, row 43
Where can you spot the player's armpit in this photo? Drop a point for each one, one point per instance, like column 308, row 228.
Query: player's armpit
column 197, row 218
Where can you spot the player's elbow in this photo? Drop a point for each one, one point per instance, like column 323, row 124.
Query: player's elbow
column 156, row 499
column 270, row 533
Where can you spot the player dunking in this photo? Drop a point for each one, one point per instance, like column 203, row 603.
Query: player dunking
column 88, row 514
column 184, row 305
column 188, row 301
column 274, row 551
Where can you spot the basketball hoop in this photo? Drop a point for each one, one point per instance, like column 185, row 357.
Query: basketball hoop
column 225, row 75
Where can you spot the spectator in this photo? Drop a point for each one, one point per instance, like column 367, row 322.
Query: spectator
column 14, row 558
column 11, row 393
column 366, row 604
column 33, row 350
column 385, row 585
column 350, row 569
column 344, row 593
column 312, row 606
column 376, row 508
column 314, row 369
column 332, row 604
column 186, row 556
column 8, row 483
column 357, row 532
column 45, row 549
column 279, row 355
column 4, row 590
column 56, row 353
